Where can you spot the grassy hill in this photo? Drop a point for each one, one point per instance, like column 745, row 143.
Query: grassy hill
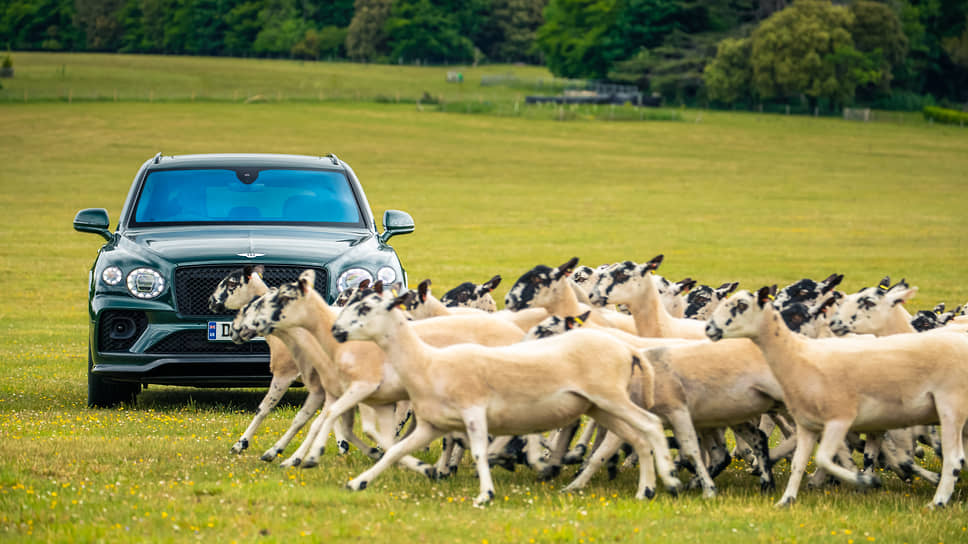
column 726, row 197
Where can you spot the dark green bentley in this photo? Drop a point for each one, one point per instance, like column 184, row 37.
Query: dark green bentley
column 190, row 220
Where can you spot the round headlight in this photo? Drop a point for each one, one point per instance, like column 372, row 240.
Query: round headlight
column 145, row 283
column 112, row 275
column 387, row 274
column 352, row 278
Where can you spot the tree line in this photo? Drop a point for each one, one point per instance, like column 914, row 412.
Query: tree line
column 889, row 53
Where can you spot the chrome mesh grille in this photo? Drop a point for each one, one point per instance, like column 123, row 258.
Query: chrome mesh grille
column 194, row 284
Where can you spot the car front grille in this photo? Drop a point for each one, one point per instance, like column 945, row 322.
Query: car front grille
column 195, row 284
column 196, row 341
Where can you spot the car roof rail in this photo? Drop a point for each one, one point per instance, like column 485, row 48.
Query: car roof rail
column 157, row 158
column 333, row 157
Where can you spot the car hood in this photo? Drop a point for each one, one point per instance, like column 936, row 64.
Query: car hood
column 267, row 244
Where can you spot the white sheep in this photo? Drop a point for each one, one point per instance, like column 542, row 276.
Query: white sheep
column 551, row 289
column 234, row 291
column 832, row 386
column 631, row 284
column 698, row 385
column 703, row 300
column 529, row 387
column 358, row 367
column 471, row 295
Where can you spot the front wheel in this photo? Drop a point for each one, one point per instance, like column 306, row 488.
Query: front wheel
column 103, row 393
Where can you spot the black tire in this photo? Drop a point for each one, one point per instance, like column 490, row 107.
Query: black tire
column 104, row 393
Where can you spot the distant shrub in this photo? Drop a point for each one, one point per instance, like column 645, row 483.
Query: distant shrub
column 903, row 101
column 943, row 115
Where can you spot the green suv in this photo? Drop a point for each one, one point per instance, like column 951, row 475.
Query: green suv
column 190, row 220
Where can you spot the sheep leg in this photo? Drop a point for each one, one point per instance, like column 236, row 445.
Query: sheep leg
column 403, row 413
column 650, row 432
column 534, row 453
column 552, row 467
column 577, row 454
column 760, row 445
column 685, row 432
column 277, row 388
column 611, row 444
column 715, row 446
column 831, row 441
column 475, row 423
column 442, row 467
column 647, row 437
column 953, row 446
column 460, row 445
column 784, row 449
column 424, row 433
column 314, row 400
column 319, row 431
column 806, row 440
column 386, row 425
column 899, row 449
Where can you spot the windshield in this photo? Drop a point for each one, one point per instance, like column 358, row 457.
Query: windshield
column 245, row 196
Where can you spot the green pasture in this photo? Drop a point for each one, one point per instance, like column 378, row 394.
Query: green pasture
column 758, row 199
column 147, row 78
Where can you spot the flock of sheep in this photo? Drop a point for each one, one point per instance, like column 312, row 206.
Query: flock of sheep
column 633, row 353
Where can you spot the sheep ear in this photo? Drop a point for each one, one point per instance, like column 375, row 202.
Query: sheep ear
column 832, row 281
column 306, row 281
column 939, row 308
column 249, row 269
column 826, row 304
column 577, row 321
column 423, row 290
column 725, row 289
column 686, row 285
column 378, row 287
column 363, row 284
column 884, row 285
column 764, row 296
column 401, row 301
column 654, row 263
column 490, row 284
column 565, row 268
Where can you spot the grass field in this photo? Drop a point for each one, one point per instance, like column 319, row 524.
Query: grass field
column 754, row 198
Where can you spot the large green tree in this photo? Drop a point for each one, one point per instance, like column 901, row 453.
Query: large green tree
column 419, row 30
column 728, row 77
column 514, row 26
column 366, row 38
column 806, row 51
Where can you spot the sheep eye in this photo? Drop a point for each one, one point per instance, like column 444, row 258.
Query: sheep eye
column 741, row 306
column 866, row 303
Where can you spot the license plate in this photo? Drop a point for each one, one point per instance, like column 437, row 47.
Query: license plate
column 221, row 331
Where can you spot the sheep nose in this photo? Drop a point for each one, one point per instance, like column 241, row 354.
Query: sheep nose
column 340, row 335
column 713, row 332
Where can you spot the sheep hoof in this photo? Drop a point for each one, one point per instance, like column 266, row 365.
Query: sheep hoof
column 549, row 473
column 431, row 472
column 270, row 455
column 575, row 456
column 694, row 483
column 294, row 462
column 353, row 485
column 310, row 463
column 868, row 481
column 375, row 454
column 649, row 493
column 240, row 446
column 785, row 502
column 342, row 447
column 709, row 493
column 452, row 470
column 767, row 485
column 504, row 462
column 484, row 498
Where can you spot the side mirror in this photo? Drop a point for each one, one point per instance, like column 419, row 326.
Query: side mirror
column 94, row 220
column 396, row 222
